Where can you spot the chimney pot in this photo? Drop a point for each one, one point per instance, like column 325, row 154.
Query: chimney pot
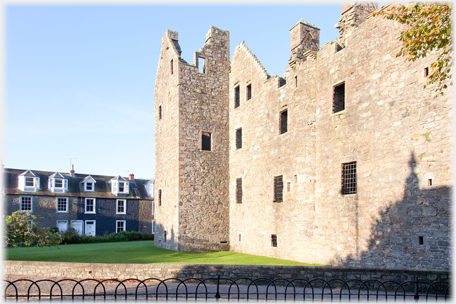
column 132, row 178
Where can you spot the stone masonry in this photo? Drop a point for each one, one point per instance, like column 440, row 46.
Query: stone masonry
column 348, row 104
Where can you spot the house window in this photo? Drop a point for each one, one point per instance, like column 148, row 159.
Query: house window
column 120, row 226
column 237, row 97
column 121, row 187
column 159, row 197
column 249, row 92
column 274, row 240
column 349, row 178
column 26, row 203
column 206, row 141
column 29, row 182
column 89, row 205
column 121, row 206
column 283, row 122
column 278, row 189
column 62, row 204
column 153, row 226
column 239, row 138
column 58, row 183
column 339, row 98
column 89, row 186
column 239, row 190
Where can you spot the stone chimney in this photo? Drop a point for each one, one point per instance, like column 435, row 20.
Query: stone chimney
column 72, row 171
column 304, row 37
column 132, row 178
column 353, row 14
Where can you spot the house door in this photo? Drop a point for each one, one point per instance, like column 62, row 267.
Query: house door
column 90, row 228
column 62, row 225
column 77, row 225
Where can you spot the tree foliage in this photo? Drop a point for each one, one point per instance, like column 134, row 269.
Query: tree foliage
column 21, row 230
column 430, row 29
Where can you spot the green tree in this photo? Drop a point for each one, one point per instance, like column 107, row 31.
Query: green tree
column 430, row 29
column 21, row 230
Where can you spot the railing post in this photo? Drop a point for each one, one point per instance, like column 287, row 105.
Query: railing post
column 416, row 296
column 217, row 295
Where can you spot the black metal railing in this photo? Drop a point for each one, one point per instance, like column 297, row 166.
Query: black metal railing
column 226, row 289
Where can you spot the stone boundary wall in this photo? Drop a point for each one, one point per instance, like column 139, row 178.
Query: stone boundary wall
column 164, row 271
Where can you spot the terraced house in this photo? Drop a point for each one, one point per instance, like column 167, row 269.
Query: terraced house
column 91, row 204
column 345, row 160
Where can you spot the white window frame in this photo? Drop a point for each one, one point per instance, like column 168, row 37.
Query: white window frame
column 124, row 206
column 57, row 204
column 28, row 178
column 87, row 189
column 22, row 183
column 94, row 206
column 31, row 203
column 124, row 225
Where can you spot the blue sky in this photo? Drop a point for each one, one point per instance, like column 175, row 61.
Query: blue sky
column 79, row 79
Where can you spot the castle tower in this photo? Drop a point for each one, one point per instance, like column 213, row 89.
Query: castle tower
column 191, row 146
column 304, row 37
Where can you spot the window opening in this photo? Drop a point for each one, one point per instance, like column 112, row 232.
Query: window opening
column 201, row 65
column 159, row 197
column 58, row 183
column 164, row 235
column 283, row 122
column 420, row 240
column 296, row 81
column 288, row 186
column 239, row 237
column 120, row 226
column 89, row 186
column 430, row 182
column 237, row 97
column 62, row 204
column 121, row 206
column 249, row 91
column 349, row 178
column 90, row 205
column 121, row 187
column 339, row 98
column 278, row 189
column 29, row 182
column 206, row 141
column 239, row 190
column 26, row 203
column 153, row 226
column 239, row 138
column 171, row 67
column 159, row 112
column 426, row 71
column 274, row 240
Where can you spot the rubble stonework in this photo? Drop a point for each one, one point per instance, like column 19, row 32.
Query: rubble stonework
column 390, row 127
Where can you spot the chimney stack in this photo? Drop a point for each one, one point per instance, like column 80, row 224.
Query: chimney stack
column 72, row 171
column 132, row 178
column 304, row 37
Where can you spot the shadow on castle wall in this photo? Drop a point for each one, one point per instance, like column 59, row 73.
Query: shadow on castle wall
column 413, row 233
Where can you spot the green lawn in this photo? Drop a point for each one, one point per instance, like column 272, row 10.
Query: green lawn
column 139, row 252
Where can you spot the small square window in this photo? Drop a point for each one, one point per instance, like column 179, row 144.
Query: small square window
column 349, row 178
column 274, row 240
column 249, row 92
column 278, row 189
column 206, row 141
column 237, row 97
column 26, row 203
column 120, row 226
column 283, row 122
column 239, row 138
column 239, row 190
column 339, row 98
column 62, row 204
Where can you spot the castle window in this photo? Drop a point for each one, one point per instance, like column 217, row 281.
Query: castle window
column 120, row 226
column 159, row 197
column 426, row 71
column 278, row 189
column 171, row 67
column 159, row 112
column 62, row 204
column 430, row 182
column 206, row 141
column 237, row 97
column 420, row 240
column 26, row 203
column 339, row 98
column 202, row 65
column 296, row 81
column 283, row 122
column 239, row 190
column 239, row 237
column 249, row 92
column 239, row 138
column 164, row 234
column 349, row 178
column 274, row 240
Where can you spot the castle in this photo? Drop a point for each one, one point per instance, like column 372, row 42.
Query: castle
column 343, row 161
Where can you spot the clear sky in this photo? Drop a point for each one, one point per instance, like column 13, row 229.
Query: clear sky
column 79, row 79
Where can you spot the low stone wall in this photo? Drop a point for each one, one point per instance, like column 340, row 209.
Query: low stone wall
column 164, row 271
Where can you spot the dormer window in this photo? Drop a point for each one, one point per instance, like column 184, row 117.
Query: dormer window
column 89, row 184
column 57, row 183
column 119, row 185
column 28, row 182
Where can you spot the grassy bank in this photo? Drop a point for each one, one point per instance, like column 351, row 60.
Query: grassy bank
column 140, row 252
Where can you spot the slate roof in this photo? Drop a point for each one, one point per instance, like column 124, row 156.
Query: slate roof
column 75, row 187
